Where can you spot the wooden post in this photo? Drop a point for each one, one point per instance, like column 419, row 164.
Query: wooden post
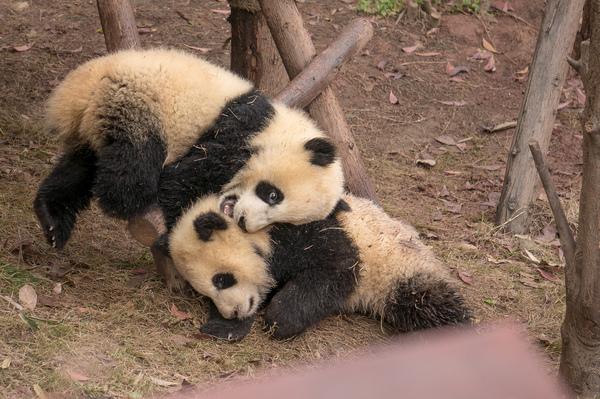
column 118, row 25
column 253, row 52
column 548, row 71
column 297, row 50
column 580, row 356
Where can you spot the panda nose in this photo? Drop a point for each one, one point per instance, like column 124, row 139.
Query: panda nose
column 242, row 224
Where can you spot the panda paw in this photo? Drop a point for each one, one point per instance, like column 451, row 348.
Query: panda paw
column 57, row 230
column 281, row 325
column 229, row 330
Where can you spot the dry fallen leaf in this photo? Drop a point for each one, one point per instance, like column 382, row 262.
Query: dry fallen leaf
column 454, row 103
column 497, row 261
column 76, row 376
column 500, row 127
column 456, row 79
column 490, row 66
column 411, row 49
column 428, row 54
column 24, row 47
column 531, row 256
column 488, row 46
column 452, row 207
column 444, row 139
column 425, row 159
column 381, row 65
column 465, row 246
column 163, row 383
column 465, row 277
column 222, row 12
column 28, row 297
column 57, row 288
column 444, row 192
column 481, row 55
column 393, row 99
column 452, row 70
column 203, row 50
column 5, row 363
column 178, row 314
column 548, row 275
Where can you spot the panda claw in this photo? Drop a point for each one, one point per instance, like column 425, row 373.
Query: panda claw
column 51, row 228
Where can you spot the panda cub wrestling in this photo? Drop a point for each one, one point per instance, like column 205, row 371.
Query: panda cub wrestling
column 144, row 126
column 357, row 259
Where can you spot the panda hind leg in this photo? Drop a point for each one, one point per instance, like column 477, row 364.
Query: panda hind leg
column 423, row 301
column 128, row 175
column 64, row 193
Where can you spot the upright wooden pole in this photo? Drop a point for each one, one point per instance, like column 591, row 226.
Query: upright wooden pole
column 580, row 356
column 253, row 52
column 118, row 25
column 297, row 50
column 548, row 71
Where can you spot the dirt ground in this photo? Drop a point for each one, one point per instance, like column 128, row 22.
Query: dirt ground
column 110, row 331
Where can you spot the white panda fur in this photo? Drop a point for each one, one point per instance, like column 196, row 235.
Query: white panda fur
column 358, row 259
column 185, row 92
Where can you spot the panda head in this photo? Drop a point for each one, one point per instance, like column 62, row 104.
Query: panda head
column 293, row 176
column 219, row 260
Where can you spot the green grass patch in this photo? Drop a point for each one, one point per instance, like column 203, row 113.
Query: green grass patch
column 12, row 277
column 380, row 7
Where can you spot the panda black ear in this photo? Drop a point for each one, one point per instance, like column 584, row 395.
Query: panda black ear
column 322, row 151
column 206, row 223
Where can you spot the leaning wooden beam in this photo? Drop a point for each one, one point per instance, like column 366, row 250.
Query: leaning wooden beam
column 304, row 88
column 321, row 71
column 536, row 121
column 297, row 50
column 562, row 225
column 118, row 25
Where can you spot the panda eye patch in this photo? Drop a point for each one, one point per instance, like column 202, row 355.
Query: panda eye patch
column 269, row 193
column 223, row 280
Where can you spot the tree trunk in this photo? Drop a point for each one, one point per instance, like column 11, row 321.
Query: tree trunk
column 548, row 71
column 296, row 50
column 253, row 52
column 118, row 25
column 580, row 357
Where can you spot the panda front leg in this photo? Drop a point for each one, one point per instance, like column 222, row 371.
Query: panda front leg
column 305, row 300
column 128, row 174
column 64, row 193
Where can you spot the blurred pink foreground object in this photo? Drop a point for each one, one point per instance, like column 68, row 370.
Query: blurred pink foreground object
column 494, row 362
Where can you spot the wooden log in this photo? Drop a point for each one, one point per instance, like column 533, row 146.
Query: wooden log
column 580, row 356
column 548, row 71
column 253, row 52
column 562, row 225
column 307, row 85
column 118, row 25
column 297, row 50
column 299, row 93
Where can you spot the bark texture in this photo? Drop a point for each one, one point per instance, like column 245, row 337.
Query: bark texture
column 548, row 71
column 580, row 357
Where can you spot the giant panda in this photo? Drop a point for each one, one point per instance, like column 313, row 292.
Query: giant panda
column 144, row 126
column 357, row 259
